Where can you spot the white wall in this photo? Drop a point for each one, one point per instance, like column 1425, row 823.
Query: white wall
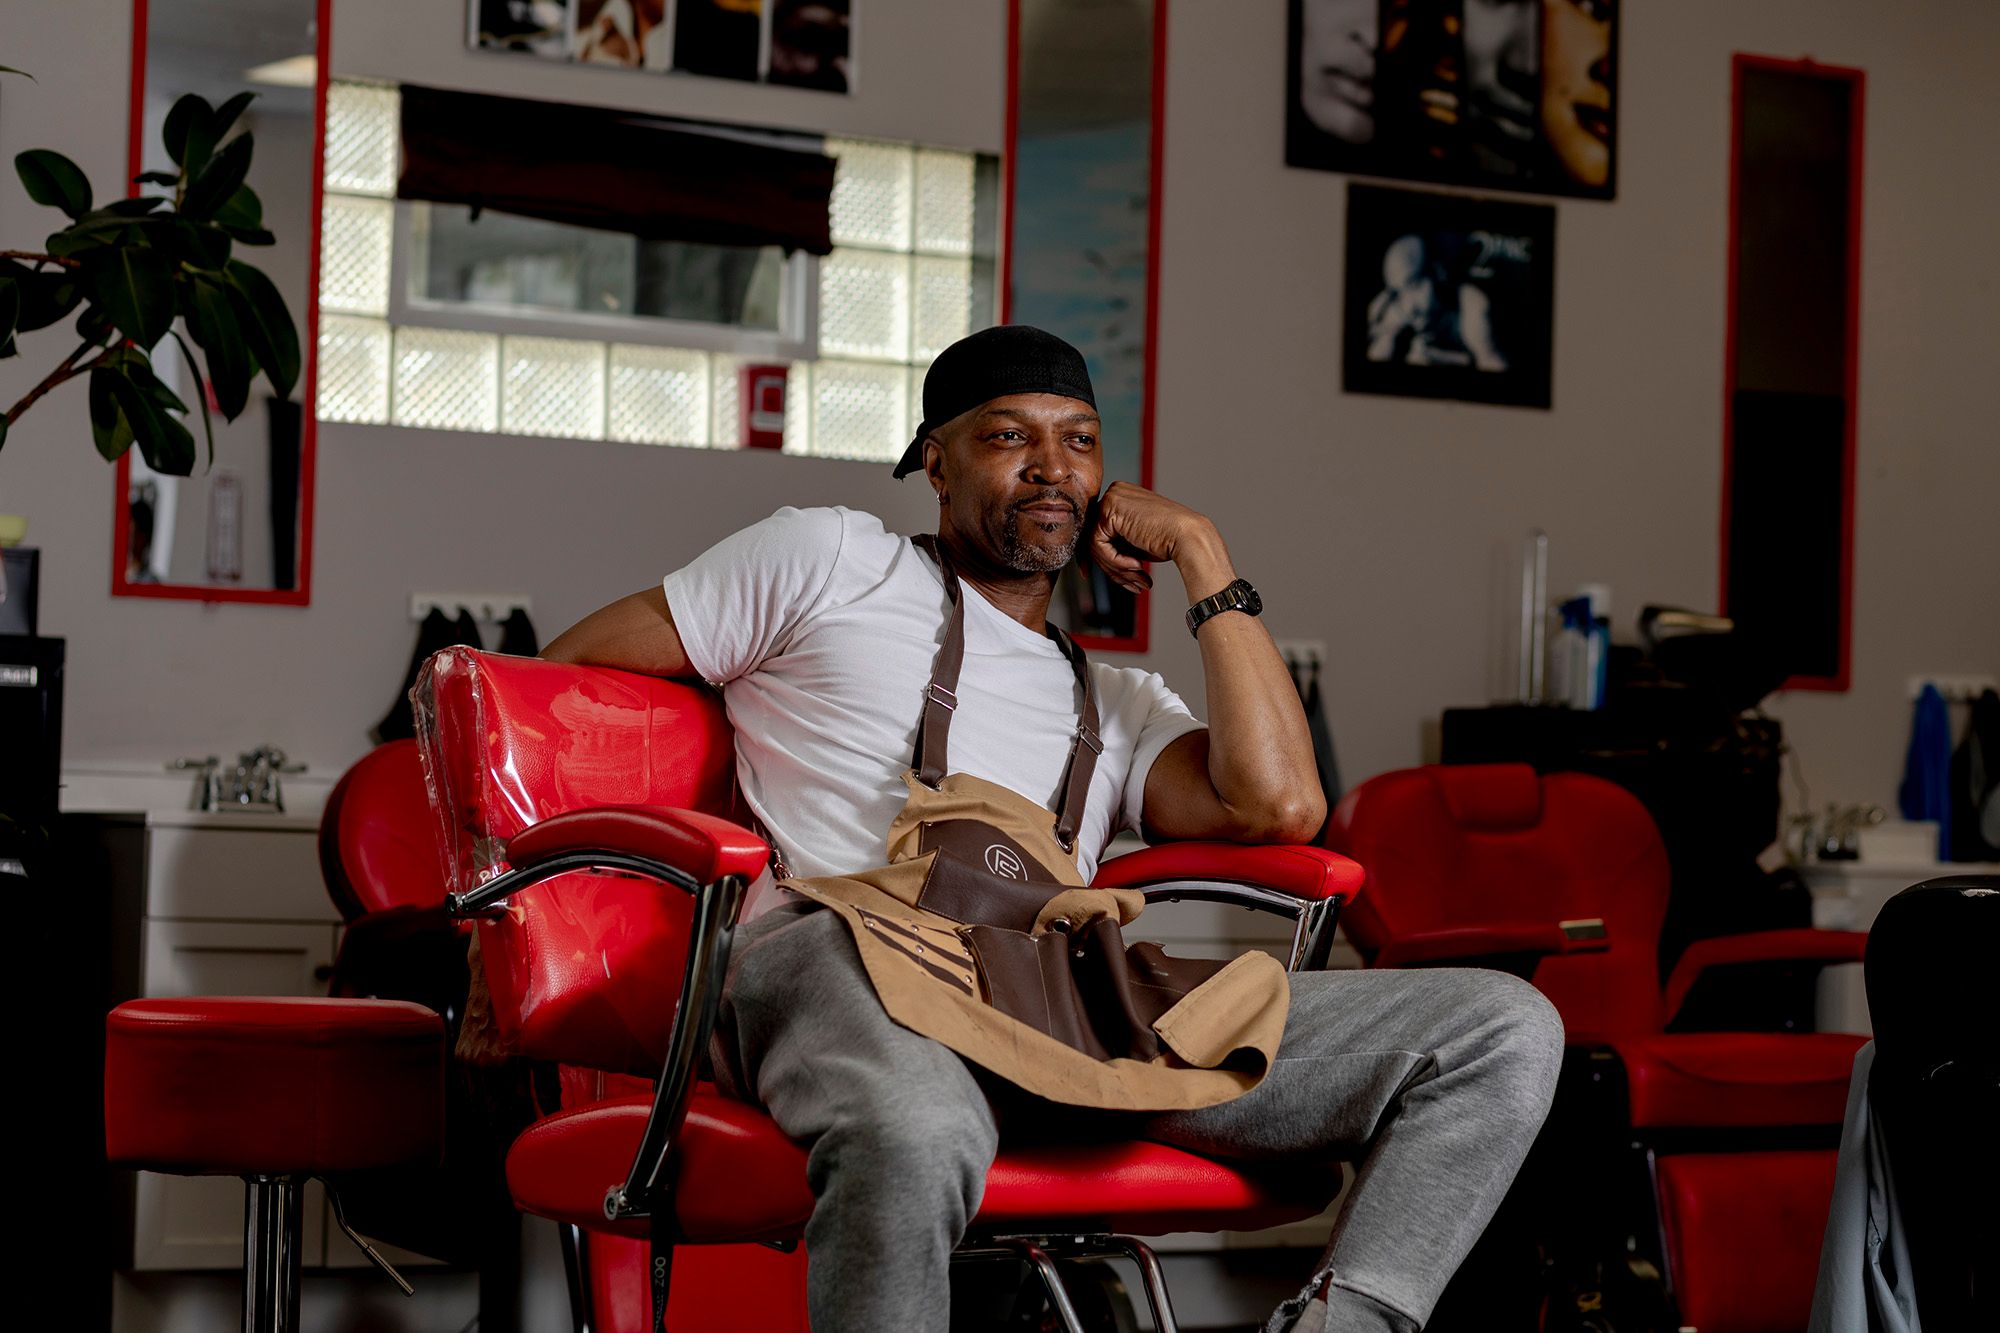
column 1386, row 527
column 1392, row 527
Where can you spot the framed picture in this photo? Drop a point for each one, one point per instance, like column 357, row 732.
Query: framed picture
column 1448, row 296
column 797, row 43
column 1501, row 94
column 530, row 27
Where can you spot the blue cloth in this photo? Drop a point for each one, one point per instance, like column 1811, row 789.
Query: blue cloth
column 1926, row 789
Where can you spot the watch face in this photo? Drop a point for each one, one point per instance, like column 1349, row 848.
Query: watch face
column 1251, row 601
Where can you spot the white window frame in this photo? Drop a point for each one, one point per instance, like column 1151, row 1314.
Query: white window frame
column 795, row 339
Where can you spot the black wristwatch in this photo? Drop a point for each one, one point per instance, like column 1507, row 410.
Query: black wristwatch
column 1238, row 596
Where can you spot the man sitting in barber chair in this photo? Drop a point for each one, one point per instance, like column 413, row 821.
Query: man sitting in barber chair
column 871, row 1012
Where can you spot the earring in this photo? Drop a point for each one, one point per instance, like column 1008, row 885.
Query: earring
column 940, row 497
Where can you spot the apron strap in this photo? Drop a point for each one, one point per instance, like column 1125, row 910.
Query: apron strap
column 941, row 695
column 941, row 699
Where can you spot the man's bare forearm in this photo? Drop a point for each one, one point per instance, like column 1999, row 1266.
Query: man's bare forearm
column 1260, row 755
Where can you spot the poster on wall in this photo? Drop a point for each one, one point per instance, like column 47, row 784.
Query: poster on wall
column 1501, row 94
column 796, row 43
column 1448, row 296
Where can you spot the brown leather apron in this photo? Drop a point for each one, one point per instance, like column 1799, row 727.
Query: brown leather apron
column 980, row 934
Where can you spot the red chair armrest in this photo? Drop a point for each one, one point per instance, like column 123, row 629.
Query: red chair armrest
column 701, row 846
column 1759, row 946
column 1311, row 873
column 1458, row 944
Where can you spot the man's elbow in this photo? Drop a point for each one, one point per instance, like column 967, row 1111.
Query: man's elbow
column 1292, row 817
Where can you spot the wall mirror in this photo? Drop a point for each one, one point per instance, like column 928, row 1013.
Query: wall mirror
column 241, row 529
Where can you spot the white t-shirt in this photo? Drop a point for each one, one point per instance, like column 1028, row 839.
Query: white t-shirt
column 820, row 627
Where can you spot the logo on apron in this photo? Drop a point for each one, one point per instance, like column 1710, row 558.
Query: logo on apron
column 1004, row 862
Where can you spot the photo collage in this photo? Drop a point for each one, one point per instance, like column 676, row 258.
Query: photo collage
column 794, row 43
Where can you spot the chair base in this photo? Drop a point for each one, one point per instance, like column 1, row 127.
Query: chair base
column 273, row 1224
column 1042, row 1252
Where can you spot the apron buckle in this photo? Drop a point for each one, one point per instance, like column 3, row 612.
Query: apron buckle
column 941, row 696
column 1089, row 737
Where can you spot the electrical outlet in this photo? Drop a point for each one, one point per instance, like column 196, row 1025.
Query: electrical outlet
column 1958, row 689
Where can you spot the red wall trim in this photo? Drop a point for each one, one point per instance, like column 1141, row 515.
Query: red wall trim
column 1739, row 63
column 309, row 423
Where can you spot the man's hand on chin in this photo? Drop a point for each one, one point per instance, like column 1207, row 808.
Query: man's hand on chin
column 1135, row 525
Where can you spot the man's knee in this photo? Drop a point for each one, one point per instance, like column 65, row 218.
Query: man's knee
column 1523, row 1031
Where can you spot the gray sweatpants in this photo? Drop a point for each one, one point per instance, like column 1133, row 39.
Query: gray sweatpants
column 1433, row 1082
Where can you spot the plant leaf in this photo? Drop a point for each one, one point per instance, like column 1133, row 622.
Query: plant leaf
column 54, row 180
column 222, row 177
column 135, row 285
column 165, row 443
column 200, row 394
column 157, row 178
column 226, row 114
column 110, row 428
column 190, row 113
column 65, row 244
column 45, row 296
column 9, row 69
column 136, row 206
column 242, row 209
column 212, row 320
column 10, row 310
column 266, row 324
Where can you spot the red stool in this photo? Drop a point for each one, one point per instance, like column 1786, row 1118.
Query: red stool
column 275, row 1090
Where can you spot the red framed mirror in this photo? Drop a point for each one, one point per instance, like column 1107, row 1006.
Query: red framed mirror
column 242, row 529
column 1080, row 200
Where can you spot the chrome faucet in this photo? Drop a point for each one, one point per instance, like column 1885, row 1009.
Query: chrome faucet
column 251, row 784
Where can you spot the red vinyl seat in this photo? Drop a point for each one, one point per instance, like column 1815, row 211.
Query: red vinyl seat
column 738, row 1178
column 1563, row 878
column 276, row 1090
column 545, row 777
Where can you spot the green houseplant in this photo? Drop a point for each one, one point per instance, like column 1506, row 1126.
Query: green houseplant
column 133, row 268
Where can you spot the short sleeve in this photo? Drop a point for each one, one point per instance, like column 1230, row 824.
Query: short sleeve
column 1167, row 720
column 738, row 602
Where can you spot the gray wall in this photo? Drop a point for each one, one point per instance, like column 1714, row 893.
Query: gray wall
column 1386, row 528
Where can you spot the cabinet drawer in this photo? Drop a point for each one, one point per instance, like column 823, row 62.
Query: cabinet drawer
column 235, row 875
column 236, row 958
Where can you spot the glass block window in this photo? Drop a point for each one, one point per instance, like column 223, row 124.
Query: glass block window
column 659, row 395
column 906, row 278
column 361, row 139
column 353, row 370
column 354, row 250
column 552, row 386
column 447, row 380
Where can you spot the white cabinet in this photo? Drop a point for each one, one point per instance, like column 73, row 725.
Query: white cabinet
column 232, row 905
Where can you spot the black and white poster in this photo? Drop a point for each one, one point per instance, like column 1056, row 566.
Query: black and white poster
column 1448, row 296
column 1500, row 94
column 797, row 43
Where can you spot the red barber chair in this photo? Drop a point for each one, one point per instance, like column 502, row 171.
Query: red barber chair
column 586, row 818
column 1727, row 1132
column 378, row 856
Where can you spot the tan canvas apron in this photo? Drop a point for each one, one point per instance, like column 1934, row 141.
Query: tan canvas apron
column 980, row 934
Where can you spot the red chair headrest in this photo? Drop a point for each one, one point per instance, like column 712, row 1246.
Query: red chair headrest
column 377, row 842
column 1492, row 798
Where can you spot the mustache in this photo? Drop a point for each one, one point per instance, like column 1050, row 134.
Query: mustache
column 1049, row 496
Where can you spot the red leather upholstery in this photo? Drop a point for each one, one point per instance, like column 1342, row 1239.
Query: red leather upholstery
column 1453, row 847
column 1716, row 1213
column 703, row 846
column 1537, row 939
column 1312, row 873
column 584, row 969
column 377, row 840
column 739, row 1178
column 1815, row 946
column 1719, row 1079
column 233, row 1086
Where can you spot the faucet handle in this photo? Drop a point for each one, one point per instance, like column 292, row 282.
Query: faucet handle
column 181, row 765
